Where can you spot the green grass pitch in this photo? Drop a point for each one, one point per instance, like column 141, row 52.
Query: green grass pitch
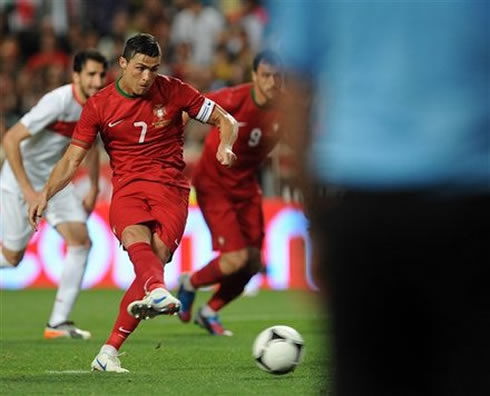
column 164, row 356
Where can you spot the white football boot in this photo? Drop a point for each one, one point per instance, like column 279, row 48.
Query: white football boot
column 157, row 302
column 66, row 329
column 107, row 362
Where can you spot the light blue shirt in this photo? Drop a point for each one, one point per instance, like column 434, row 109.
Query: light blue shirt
column 403, row 90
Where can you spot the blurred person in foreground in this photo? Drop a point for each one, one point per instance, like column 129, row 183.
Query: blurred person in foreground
column 400, row 147
column 139, row 118
column 231, row 198
column 32, row 147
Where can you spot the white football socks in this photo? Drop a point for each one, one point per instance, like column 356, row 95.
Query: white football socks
column 109, row 349
column 70, row 283
column 187, row 283
column 207, row 311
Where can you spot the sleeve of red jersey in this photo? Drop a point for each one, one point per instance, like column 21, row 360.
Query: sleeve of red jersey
column 87, row 127
column 193, row 102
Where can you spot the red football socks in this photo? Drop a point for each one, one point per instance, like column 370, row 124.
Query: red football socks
column 125, row 323
column 149, row 275
column 207, row 275
column 230, row 288
column 147, row 266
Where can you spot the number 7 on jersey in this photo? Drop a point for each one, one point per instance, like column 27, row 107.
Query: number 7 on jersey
column 144, row 128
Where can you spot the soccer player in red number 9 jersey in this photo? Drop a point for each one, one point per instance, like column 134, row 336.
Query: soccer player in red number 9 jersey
column 139, row 118
column 230, row 198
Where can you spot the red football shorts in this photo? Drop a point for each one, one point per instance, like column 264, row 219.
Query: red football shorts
column 234, row 224
column 160, row 206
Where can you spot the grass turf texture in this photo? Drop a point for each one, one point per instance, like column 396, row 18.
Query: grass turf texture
column 164, row 356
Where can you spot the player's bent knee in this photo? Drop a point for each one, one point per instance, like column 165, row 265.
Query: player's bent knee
column 254, row 266
column 13, row 257
column 134, row 234
column 80, row 240
column 236, row 260
column 75, row 234
column 160, row 249
column 86, row 243
column 163, row 254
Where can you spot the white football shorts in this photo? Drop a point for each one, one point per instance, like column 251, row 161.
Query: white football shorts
column 16, row 231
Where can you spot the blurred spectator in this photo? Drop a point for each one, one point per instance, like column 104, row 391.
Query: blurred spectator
column 91, row 39
column 8, row 102
column 111, row 44
column 200, row 26
column 253, row 18
column 222, row 68
column 99, row 13
column 9, row 55
column 49, row 52
column 154, row 9
column 74, row 37
column 59, row 16
column 160, row 28
column 140, row 22
column 21, row 15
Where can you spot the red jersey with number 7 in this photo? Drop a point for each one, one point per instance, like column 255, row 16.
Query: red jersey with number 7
column 143, row 135
column 258, row 133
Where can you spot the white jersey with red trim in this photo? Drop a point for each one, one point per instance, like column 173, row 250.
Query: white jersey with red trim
column 51, row 123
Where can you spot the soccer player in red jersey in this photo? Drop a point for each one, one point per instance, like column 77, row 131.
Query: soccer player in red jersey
column 231, row 198
column 139, row 118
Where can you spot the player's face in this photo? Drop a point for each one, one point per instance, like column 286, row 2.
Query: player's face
column 139, row 73
column 90, row 79
column 268, row 81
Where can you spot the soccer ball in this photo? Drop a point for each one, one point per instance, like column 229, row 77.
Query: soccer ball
column 278, row 349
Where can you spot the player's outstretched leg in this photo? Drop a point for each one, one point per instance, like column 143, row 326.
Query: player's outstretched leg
column 146, row 297
column 107, row 359
column 214, row 272
column 208, row 275
column 186, row 294
column 230, row 288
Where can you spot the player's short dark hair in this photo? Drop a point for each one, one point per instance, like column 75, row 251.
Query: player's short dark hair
column 267, row 56
column 141, row 43
column 82, row 57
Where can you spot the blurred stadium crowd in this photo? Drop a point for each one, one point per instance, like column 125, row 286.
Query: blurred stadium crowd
column 208, row 43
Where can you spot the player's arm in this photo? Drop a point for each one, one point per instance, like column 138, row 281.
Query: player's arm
column 92, row 162
column 207, row 111
column 185, row 118
column 60, row 176
column 228, row 128
column 49, row 107
column 11, row 144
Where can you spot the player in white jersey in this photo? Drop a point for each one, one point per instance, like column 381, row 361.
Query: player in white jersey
column 32, row 147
